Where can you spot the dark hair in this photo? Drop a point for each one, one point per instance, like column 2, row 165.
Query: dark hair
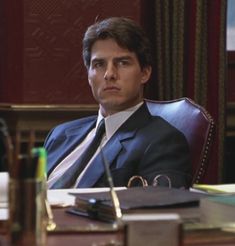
column 125, row 32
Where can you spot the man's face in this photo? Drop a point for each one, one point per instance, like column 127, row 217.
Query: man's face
column 115, row 77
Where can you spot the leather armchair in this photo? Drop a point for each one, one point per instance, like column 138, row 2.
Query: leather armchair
column 195, row 123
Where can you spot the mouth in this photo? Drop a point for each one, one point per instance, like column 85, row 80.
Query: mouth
column 111, row 88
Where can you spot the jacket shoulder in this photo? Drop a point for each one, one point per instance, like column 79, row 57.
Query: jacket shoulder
column 61, row 129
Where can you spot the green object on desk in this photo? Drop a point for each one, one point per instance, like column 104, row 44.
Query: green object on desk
column 41, row 155
column 226, row 200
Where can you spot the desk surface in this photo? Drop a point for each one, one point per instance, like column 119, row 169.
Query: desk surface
column 194, row 234
column 76, row 230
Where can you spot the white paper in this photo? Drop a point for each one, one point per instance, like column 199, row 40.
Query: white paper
column 4, row 179
column 62, row 198
column 215, row 188
column 3, row 213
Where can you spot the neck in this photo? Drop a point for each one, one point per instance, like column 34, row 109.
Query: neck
column 110, row 111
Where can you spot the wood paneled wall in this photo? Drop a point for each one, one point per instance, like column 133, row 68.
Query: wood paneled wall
column 41, row 47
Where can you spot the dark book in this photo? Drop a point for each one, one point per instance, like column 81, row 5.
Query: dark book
column 100, row 206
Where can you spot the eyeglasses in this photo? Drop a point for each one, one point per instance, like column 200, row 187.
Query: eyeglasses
column 136, row 180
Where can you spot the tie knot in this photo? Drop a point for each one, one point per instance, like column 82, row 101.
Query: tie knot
column 101, row 128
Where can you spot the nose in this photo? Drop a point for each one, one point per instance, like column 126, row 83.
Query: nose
column 110, row 73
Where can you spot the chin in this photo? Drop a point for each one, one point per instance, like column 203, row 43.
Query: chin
column 113, row 104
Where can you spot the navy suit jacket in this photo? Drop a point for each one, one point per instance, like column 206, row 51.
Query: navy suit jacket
column 144, row 145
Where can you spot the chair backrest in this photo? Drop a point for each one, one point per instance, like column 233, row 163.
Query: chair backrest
column 195, row 123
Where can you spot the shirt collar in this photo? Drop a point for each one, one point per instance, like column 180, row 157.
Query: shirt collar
column 114, row 121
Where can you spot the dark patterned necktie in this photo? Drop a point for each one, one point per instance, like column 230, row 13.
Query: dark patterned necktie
column 68, row 179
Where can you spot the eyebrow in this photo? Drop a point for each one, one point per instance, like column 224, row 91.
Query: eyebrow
column 123, row 58
column 115, row 58
column 97, row 59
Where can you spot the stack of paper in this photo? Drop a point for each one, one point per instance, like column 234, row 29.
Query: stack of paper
column 216, row 188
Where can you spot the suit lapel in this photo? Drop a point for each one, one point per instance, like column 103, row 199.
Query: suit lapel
column 113, row 147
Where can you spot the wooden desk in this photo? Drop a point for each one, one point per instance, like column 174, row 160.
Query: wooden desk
column 75, row 230
column 193, row 234
column 82, row 231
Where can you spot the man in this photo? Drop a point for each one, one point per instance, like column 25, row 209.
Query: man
column 117, row 56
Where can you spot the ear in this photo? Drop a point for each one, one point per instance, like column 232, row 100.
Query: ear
column 146, row 73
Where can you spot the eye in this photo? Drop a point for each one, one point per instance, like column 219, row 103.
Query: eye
column 123, row 62
column 98, row 64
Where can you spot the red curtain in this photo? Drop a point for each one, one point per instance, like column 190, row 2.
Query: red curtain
column 190, row 62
